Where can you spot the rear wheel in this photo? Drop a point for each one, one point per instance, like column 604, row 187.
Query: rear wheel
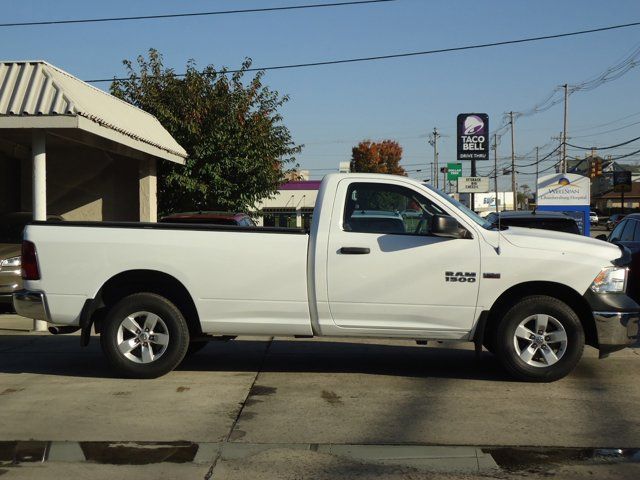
column 540, row 339
column 144, row 336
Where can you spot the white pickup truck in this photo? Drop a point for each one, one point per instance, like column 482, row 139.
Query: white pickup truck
column 386, row 257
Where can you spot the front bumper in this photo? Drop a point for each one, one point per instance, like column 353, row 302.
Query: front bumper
column 617, row 319
column 31, row 305
column 616, row 330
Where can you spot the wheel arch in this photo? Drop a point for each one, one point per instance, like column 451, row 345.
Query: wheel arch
column 137, row 281
column 552, row 289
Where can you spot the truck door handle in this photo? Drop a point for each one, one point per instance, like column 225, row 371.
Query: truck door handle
column 355, row 251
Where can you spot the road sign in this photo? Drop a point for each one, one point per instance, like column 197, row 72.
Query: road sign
column 454, row 171
column 622, row 181
column 473, row 184
column 563, row 189
column 473, row 136
column 567, row 193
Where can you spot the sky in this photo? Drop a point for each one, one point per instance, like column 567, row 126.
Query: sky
column 332, row 108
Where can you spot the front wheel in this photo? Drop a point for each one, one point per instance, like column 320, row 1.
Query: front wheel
column 144, row 336
column 540, row 339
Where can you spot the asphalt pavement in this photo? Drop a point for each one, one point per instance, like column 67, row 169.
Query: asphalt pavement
column 309, row 408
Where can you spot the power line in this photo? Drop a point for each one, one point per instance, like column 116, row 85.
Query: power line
column 542, row 159
column 593, row 127
column 605, row 148
column 194, row 14
column 545, row 169
column 624, row 156
column 410, row 54
column 606, row 131
column 612, row 73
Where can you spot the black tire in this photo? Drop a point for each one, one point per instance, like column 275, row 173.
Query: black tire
column 555, row 311
column 172, row 323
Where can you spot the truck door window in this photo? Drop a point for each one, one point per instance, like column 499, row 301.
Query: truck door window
column 390, row 209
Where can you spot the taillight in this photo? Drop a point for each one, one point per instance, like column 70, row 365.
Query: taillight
column 30, row 270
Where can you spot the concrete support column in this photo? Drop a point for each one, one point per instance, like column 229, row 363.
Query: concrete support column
column 39, row 191
column 148, row 191
column 298, row 218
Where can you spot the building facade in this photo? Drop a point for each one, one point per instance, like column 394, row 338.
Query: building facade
column 70, row 149
column 291, row 206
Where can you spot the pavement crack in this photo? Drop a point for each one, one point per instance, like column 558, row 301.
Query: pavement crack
column 209, row 473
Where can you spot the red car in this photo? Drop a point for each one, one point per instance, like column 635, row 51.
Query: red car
column 211, row 218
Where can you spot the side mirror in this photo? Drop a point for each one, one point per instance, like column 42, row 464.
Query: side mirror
column 602, row 236
column 445, row 226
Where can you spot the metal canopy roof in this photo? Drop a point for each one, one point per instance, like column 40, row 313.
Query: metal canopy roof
column 35, row 94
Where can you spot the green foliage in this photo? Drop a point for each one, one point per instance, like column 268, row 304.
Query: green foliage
column 238, row 147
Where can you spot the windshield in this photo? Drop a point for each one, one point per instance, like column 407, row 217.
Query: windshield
column 460, row 206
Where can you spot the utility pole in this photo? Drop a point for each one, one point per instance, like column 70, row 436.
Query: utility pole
column 495, row 169
column 537, row 169
column 513, row 165
column 434, row 142
column 559, row 168
column 474, row 173
column 564, row 132
column 430, row 178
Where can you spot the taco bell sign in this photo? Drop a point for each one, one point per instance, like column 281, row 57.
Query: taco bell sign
column 473, row 136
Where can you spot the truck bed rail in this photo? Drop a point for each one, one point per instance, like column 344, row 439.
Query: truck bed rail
column 174, row 226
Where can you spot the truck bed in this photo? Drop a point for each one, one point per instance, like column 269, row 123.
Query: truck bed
column 242, row 280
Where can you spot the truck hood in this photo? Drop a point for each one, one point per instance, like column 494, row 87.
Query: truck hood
column 561, row 242
column 8, row 250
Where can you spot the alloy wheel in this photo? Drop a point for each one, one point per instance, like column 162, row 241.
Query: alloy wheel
column 540, row 340
column 142, row 337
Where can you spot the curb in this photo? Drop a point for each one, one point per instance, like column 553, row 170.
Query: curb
column 468, row 459
column 436, row 458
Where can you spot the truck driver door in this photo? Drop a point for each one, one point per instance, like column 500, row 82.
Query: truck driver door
column 386, row 271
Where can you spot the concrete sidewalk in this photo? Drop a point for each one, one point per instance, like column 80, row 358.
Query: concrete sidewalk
column 304, row 408
column 14, row 323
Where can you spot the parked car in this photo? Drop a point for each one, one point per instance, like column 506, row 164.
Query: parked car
column 211, row 218
column 593, row 218
column 533, row 298
column 11, row 227
column 555, row 221
column 614, row 220
column 627, row 233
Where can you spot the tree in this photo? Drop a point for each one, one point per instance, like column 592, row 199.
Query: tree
column 524, row 195
column 377, row 157
column 238, row 147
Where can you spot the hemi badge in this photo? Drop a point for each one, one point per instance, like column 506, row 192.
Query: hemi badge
column 490, row 275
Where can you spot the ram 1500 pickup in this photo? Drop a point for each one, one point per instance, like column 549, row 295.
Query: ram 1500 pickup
column 385, row 257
